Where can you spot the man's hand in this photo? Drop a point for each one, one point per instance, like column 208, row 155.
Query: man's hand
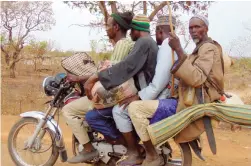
column 72, row 78
column 89, row 85
column 174, row 42
column 127, row 101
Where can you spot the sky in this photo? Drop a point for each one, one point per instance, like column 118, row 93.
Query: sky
column 227, row 20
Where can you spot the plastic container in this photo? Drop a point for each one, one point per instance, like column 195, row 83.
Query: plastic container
column 189, row 96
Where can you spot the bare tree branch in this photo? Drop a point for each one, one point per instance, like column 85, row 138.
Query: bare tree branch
column 113, row 6
column 152, row 4
column 158, row 8
column 145, row 8
column 134, row 5
column 19, row 19
column 103, row 9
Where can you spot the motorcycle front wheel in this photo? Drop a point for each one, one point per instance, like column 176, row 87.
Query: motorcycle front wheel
column 43, row 152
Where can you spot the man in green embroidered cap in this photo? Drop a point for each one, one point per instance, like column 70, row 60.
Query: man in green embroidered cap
column 139, row 64
column 116, row 28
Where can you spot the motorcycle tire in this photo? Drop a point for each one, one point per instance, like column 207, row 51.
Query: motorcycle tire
column 12, row 135
column 186, row 154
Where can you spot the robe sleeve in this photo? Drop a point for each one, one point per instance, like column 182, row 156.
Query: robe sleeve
column 196, row 74
column 162, row 74
column 126, row 69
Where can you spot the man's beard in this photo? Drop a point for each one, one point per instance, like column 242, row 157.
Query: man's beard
column 196, row 41
column 159, row 42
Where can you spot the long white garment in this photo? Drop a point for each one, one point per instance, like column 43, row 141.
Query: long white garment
column 158, row 87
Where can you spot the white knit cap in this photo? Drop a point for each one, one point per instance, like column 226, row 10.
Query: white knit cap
column 203, row 18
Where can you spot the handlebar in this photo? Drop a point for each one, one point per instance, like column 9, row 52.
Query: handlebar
column 66, row 86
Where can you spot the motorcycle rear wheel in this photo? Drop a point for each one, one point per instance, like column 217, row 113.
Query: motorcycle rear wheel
column 12, row 144
column 186, row 155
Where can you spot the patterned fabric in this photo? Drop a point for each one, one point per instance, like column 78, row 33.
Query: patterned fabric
column 122, row 48
column 103, row 98
column 80, row 64
column 164, row 20
column 171, row 126
column 141, row 22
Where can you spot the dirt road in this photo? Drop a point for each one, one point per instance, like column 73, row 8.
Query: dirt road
column 233, row 148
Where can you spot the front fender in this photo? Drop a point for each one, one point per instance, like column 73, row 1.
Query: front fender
column 51, row 124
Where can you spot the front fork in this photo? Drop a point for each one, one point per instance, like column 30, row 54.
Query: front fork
column 38, row 130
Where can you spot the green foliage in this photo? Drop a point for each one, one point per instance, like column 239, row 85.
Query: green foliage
column 58, row 53
column 2, row 38
column 101, row 56
column 38, row 49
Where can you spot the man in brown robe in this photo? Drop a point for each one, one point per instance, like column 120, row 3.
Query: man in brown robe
column 202, row 71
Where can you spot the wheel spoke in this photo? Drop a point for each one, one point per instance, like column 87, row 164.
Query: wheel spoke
column 40, row 153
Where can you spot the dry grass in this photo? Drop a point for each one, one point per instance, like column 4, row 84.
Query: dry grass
column 238, row 79
column 25, row 92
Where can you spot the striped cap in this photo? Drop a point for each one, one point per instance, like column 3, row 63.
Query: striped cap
column 141, row 23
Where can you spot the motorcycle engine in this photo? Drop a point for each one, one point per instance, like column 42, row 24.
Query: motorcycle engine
column 105, row 148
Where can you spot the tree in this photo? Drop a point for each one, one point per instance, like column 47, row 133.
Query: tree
column 38, row 50
column 240, row 47
column 99, row 51
column 18, row 21
column 102, row 9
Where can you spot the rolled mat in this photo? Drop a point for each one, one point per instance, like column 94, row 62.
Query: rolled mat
column 167, row 128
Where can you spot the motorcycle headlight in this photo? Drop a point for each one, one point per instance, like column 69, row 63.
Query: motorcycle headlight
column 50, row 86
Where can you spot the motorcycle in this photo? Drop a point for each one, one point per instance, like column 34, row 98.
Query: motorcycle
column 47, row 130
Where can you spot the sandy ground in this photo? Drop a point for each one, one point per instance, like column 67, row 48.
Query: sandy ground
column 233, row 148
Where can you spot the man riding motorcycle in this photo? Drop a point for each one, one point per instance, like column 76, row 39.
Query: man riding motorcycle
column 201, row 80
column 116, row 29
column 158, row 88
column 141, row 62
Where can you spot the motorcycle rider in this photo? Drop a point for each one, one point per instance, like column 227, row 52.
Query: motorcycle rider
column 158, row 88
column 142, row 59
column 116, row 28
column 203, row 70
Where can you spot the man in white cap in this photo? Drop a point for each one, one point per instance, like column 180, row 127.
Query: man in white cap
column 159, row 89
column 202, row 72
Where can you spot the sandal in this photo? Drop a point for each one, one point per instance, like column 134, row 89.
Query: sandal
column 124, row 161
